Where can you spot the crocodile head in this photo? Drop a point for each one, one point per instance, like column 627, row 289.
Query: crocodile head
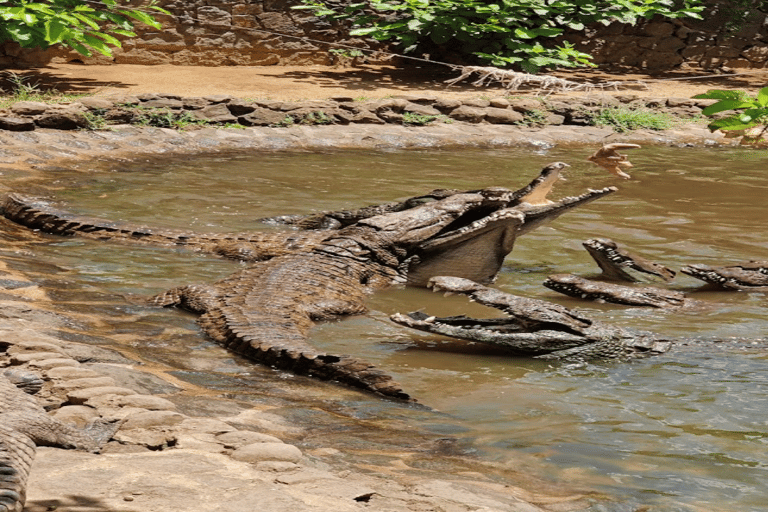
column 474, row 244
column 581, row 288
column 531, row 326
column 619, row 264
column 752, row 275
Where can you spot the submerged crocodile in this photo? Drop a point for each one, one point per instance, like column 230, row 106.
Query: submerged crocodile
column 24, row 425
column 533, row 327
column 265, row 311
column 750, row 276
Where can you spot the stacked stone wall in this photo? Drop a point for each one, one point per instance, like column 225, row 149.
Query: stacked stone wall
column 270, row 32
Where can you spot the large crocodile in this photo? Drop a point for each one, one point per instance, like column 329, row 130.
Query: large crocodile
column 24, row 425
column 265, row 311
column 533, row 327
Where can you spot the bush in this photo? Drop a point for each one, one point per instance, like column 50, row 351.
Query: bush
column 72, row 23
column 502, row 32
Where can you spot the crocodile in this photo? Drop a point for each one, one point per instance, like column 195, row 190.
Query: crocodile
column 265, row 311
column 749, row 276
column 533, row 327
column 582, row 288
column 24, row 425
column 619, row 264
column 253, row 246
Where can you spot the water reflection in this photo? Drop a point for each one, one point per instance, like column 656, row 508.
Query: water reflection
column 683, row 431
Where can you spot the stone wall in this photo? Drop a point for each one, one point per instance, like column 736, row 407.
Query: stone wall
column 245, row 32
column 661, row 45
column 213, row 33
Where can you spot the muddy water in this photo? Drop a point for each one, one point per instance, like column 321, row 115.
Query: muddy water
column 684, row 431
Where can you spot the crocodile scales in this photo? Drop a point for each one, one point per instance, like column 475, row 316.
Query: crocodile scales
column 266, row 310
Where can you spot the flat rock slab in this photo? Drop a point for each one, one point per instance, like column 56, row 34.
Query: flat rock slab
column 199, row 481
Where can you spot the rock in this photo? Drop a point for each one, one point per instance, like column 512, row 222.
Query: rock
column 64, row 372
column 194, row 103
column 29, row 108
column 88, row 382
column 446, row 105
column 525, row 105
column 35, row 346
column 262, row 117
column 477, row 103
column 45, row 364
column 163, row 103
column 25, row 357
column 202, row 442
column 554, row 119
column 424, row 110
column 218, row 98
column 309, row 105
column 206, row 425
column 260, row 452
column 240, row 107
column 239, row 438
column 79, row 415
column 80, row 396
column 16, row 124
column 499, row 102
column 502, row 116
column 468, row 114
column 147, row 419
column 218, row 113
column 147, row 402
column 92, row 103
column 680, row 102
column 62, row 120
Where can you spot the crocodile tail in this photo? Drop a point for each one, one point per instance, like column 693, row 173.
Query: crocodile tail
column 36, row 214
column 17, row 451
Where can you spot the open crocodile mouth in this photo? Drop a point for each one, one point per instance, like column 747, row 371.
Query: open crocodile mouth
column 496, row 326
column 474, row 245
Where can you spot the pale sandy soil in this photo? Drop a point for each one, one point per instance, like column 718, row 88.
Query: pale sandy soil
column 320, row 82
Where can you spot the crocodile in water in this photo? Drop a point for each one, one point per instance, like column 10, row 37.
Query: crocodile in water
column 265, row 311
column 619, row 264
column 750, row 276
column 533, row 327
column 599, row 291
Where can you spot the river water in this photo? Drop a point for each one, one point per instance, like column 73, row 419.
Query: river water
column 684, row 431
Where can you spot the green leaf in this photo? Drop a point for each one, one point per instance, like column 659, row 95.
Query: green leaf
column 363, row 31
column 87, row 20
column 762, row 97
column 729, row 124
column 55, row 31
column 525, row 33
column 142, row 17
column 82, row 50
column 97, row 44
column 722, row 105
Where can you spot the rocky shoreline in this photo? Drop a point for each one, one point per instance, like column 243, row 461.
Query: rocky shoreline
column 163, row 459
column 171, row 110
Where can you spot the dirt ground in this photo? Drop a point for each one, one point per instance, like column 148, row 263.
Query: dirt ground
column 320, row 82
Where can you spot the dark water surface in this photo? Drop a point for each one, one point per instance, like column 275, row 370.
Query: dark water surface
column 684, row 431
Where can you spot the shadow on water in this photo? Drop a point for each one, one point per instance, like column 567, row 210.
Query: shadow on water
column 684, row 431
